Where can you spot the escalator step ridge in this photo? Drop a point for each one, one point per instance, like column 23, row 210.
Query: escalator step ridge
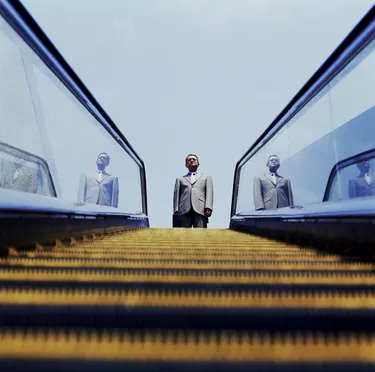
column 185, row 346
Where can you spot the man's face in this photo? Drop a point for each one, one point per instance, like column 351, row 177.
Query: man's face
column 19, row 164
column 273, row 163
column 364, row 166
column 192, row 163
column 102, row 161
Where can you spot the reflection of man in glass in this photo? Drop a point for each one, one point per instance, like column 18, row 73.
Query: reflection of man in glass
column 364, row 184
column 99, row 188
column 272, row 191
column 22, row 178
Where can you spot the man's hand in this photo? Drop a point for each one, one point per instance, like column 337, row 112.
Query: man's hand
column 207, row 212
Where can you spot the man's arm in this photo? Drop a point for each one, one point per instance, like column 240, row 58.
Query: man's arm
column 209, row 205
column 176, row 196
column 258, row 196
column 291, row 201
column 115, row 191
column 82, row 189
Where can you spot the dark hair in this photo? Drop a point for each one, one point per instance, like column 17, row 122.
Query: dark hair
column 268, row 159
column 191, row 155
column 104, row 154
column 272, row 155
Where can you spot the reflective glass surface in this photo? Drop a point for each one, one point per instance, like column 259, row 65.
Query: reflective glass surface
column 52, row 146
column 337, row 124
column 355, row 180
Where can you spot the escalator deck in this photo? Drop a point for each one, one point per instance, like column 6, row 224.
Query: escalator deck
column 184, row 299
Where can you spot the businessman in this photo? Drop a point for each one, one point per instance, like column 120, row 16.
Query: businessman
column 99, row 188
column 364, row 184
column 193, row 196
column 22, row 178
column 272, row 191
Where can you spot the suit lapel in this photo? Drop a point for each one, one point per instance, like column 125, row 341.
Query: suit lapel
column 197, row 177
column 278, row 179
column 187, row 178
column 270, row 178
column 364, row 182
column 104, row 176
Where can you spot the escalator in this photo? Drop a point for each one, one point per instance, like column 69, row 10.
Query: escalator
column 182, row 299
column 85, row 284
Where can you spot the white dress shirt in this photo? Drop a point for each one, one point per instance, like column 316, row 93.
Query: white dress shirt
column 16, row 174
column 100, row 175
column 273, row 177
column 368, row 178
column 193, row 176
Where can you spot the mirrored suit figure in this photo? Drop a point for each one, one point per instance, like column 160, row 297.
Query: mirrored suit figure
column 364, row 183
column 100, row 188
column 22, row 178
column 271, row 190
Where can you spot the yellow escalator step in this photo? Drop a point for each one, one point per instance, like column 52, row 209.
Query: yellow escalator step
column 186, row 347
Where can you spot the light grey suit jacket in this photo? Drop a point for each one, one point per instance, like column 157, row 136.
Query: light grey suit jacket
column 26, row 180
column 270, row 195
column 359, row 187
column 104, row 192
column 197, row 195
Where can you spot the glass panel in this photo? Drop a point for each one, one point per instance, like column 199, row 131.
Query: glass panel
column 22, row 171
column 51, row 143
column 338, row 123
column 311, row 150
column 256, row 169
column 353, row 114
column 354, row 181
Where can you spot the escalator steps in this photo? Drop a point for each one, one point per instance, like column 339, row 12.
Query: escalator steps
column 185, row 296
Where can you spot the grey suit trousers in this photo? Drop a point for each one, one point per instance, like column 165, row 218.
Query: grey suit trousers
column 194, row 219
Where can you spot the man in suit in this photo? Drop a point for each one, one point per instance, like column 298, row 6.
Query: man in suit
column 193, row 196
column 22, row 178
column 99, row 188
column 364, row 184
column 272, row 191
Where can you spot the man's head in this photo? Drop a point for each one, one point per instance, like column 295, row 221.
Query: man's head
column 192, row 162
column 102, row 160
column 273, row 163
column 364, row 166
column 19, row 163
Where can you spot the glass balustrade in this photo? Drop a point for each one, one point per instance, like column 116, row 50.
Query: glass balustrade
column 324, row 146
column 55, row 152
